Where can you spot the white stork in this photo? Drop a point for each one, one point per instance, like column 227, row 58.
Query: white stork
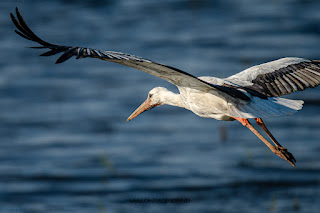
column 253, row 93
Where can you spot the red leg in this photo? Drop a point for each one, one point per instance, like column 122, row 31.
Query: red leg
column 246, row 123
column 279, row 150
column 263, row 126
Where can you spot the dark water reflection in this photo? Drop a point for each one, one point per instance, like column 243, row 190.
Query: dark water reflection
column 65, row 146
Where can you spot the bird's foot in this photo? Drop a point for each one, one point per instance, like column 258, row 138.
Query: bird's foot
column 284, row 154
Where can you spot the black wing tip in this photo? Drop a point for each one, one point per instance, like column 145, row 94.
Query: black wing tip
column 60, row 60
column 17, row 11
column 12, row 16
column 65, row 56
column 25, row 32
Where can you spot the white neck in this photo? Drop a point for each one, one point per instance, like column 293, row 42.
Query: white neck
column 173, row 99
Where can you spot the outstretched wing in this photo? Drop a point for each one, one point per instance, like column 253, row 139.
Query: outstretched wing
column 280, row 77
column 170, row 74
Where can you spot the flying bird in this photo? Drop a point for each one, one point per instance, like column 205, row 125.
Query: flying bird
column 251, row 94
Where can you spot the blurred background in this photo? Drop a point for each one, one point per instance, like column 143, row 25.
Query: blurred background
column 65, row 145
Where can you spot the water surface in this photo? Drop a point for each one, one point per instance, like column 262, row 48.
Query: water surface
column 65, row 146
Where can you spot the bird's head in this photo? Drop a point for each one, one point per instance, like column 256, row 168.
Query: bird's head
column 155, row 98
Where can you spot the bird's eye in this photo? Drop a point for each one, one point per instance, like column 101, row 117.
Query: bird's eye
column 150, row 95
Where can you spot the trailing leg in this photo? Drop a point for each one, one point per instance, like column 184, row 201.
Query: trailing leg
column 278, row 149
column 263, row 126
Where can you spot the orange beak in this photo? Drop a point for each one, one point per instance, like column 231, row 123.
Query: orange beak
column 142, row 108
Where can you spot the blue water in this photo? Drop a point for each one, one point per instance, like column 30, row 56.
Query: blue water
column 65, row 145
